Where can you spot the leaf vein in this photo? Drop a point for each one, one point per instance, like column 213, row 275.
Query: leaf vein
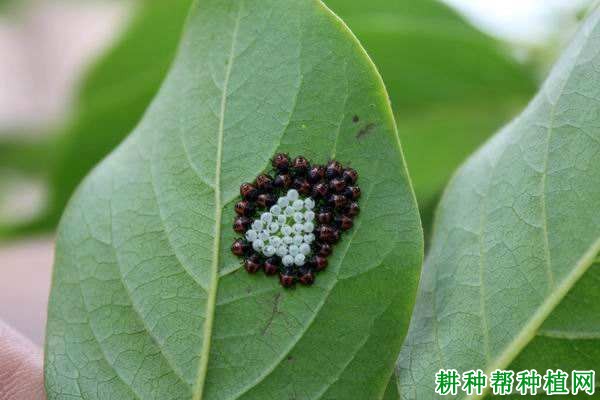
column 212, row 294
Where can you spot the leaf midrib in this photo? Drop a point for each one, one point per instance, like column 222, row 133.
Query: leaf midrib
column 214, row 282
column 568, row 335
column 529, row 331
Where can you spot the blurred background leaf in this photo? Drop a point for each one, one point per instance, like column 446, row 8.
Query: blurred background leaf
column 112, row 98
column 450, row 85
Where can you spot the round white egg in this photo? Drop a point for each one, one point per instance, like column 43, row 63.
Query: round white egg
column 257, row 225
column 283, row 202
column 287, row 260
column 299, row 259
column 309, row 203
column 251, row 235
column 292, row 195
column 293, row 250
column 275, row 210
column 309, row 227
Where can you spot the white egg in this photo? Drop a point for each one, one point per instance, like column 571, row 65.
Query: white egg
column 309, row 227
column 287, row 260
column 251, row 235
column 298, row 205
column 309, row 215
column 309, row 203
column 309, row 238
column 282, row 251
column 257, row 225
column 266, row 217
column 298, row 227
column 293, row 250
column 305, row 249
column 299, row 259
column 281, row 219
column 273, row 227
column 263, row 235
column 275, row 210
column 298, row 217
column 269, row 251
column 283, row 202
column 298, row 239
column 286, row 230
column 292, row 195
column 258, row 245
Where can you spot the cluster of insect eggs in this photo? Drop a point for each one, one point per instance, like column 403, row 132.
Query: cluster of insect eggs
column 305, row 209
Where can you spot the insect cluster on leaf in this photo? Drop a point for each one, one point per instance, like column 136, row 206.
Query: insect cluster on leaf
column 292, row 217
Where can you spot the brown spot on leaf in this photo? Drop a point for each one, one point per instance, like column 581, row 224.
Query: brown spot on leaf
column 355, row 119
column 365, row 130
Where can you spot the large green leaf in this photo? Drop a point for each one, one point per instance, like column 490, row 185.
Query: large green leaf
column 510, row 267
column 147, row 302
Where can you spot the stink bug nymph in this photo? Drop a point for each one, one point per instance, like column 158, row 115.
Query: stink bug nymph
column 287, row 278
column 240, row 247
column 248, row 191
column 320, row 191
column 350, row 176
column 252, row 263
column 300, row 165
column 244, row 208
column 352, row 192
column 337, row 185
column 271, row 266
column 264, row 182
column 316, row 173
column 334, row 169
column 281, row 162
column 282, row 181
column 241, row 224
column 306, row 276
column 302, row 186
column 265, row 200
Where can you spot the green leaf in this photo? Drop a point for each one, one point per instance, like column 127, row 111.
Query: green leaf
column 148, row 302
column 569, row 338
column 391, row 392
column 515, row 239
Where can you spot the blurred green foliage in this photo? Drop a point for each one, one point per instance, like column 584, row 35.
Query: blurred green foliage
column 112, row 98
column 450, row 85
column 115, row 94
